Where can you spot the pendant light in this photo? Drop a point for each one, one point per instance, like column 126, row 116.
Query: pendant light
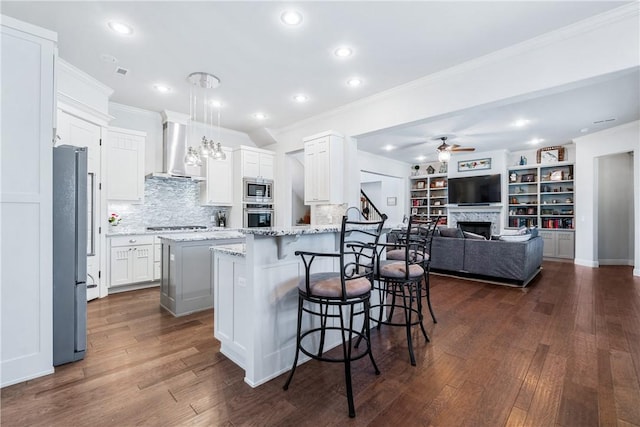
column 201, row 105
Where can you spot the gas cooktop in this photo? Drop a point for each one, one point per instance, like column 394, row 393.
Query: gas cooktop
column 177, row 227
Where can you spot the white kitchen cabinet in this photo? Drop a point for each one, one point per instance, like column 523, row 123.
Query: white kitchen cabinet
column 125, row 165
column 324, row 169
column 132, row 260
column 217, row 189
column 558, row 244
column 255, row 163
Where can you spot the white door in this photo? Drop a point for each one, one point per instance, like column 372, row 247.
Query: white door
column 80, row 133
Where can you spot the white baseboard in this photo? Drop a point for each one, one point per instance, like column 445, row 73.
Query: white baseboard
column 628, row 262
column 586, row 263
column 636, row 272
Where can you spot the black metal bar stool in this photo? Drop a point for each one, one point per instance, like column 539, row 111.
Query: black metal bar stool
column 329, row 297
column 426, row 228
column 399, row 281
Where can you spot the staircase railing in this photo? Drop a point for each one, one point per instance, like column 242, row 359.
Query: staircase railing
column 369, row 211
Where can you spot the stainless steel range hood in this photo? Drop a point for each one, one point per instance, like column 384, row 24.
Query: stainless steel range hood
column 174, row 144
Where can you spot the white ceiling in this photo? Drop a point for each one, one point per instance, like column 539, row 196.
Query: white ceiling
column 262, row 65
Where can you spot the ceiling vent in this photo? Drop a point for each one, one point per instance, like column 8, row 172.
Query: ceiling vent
column 121, row 71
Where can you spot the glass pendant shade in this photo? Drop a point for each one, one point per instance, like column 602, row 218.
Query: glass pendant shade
column 201, row 124
column 444, row 156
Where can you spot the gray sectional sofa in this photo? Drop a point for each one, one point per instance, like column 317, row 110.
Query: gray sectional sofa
column 511, row 263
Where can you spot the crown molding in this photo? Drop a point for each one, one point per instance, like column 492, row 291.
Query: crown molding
column 82, row 76
column 79, row 109
column 134, row 110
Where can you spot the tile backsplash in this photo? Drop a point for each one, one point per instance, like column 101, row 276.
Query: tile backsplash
column 166, row 202
column 328, row 214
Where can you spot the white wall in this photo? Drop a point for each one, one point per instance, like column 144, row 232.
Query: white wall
column 615, row 209
column 589, row 148
column 379, row 188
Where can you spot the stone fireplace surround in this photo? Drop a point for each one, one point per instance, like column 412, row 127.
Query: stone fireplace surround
column 490, row 213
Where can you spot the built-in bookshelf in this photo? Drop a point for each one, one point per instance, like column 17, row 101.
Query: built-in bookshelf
column 429, row 196
column 543, row 196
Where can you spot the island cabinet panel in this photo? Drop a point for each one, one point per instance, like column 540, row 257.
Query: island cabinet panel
column 256, row 298
column 230, row 319
column 186, row 284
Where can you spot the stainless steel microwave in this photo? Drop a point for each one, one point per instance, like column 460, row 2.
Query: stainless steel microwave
column 257, row 190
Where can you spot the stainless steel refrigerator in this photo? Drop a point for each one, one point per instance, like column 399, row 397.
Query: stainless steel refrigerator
column 69, row 254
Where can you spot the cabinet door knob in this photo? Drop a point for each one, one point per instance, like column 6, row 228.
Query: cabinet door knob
column 132, row 240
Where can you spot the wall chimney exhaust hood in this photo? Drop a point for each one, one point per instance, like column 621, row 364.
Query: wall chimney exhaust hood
column 174, row 144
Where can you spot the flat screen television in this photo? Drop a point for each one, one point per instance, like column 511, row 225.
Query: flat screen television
column 474, row 190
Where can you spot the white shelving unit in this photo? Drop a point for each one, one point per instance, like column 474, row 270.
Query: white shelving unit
column 543, row 195
column 429, row 195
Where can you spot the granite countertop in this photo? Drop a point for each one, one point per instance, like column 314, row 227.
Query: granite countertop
column 239, row 250
column 201, row 235
column 292, row 230
column 297, row 230
column 125, row 231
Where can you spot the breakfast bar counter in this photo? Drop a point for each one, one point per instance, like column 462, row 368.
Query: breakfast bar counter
column 256, row 296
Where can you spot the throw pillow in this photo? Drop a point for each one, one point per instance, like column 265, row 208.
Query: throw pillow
column 451, row 232
column 470, row 235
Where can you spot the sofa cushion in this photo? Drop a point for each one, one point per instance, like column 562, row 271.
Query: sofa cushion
column 451, row 232
column 470, row 235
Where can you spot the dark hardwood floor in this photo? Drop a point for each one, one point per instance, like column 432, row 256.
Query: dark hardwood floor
column 564, row 352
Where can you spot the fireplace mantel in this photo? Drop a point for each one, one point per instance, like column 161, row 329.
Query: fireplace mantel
column 488, row 213
column 475, row 208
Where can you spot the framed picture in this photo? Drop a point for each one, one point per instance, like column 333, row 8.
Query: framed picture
column 420, row 185
column 472, row 165
column 531, row 211
column 550, row 155
column 439, row 184
column 556, row 176
column 391, row 201
column 528, row 177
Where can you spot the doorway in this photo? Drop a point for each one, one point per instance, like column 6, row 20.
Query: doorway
column 615, row 209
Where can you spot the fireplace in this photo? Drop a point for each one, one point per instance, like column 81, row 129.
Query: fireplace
column 478, row 227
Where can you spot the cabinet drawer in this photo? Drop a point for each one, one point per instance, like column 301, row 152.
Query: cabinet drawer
column 131, row 240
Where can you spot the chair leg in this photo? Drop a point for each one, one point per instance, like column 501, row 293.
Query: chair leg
column 418, row 289
column 295, row 359
column 323, row 322
column 346, row 352
column 407, row 318
column 427, row 293
column 367, row 331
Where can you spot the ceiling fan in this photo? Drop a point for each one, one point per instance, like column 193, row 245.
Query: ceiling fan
column 450, row 148
column 444, row 149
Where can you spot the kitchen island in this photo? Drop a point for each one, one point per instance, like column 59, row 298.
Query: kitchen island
column 185, row 281
column 256, row 296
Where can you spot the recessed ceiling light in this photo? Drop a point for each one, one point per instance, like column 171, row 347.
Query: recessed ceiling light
column 343, row 52
column 215, row 103
column 120, row 28
column 584, row 130
column 421, row 158
column 354, row 82
column 162, row 88
column 291, row 18
column 535, row 141
column 301, row 98
column 260, row 116
column 521, row 122
column 388, row 147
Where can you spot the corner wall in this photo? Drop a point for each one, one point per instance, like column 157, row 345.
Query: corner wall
column 621, row 139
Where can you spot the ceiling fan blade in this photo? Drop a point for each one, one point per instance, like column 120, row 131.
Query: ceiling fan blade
column 463, row 149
